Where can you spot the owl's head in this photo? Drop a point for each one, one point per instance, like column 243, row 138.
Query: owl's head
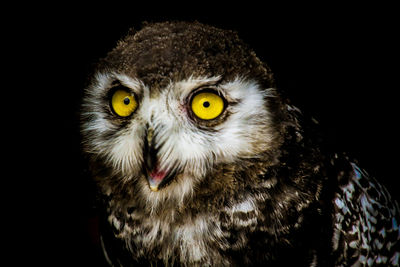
column 177, row 107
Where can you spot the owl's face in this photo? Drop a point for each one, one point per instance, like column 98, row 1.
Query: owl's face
column 165, row 119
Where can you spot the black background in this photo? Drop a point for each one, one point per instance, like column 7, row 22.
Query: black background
column 338, row 63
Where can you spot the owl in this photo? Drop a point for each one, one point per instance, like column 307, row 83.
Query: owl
column 199, row 160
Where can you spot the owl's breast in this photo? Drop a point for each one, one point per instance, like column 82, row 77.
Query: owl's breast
column 191, row 239
column 205, row 238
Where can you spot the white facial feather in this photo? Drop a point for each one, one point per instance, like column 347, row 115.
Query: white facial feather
column 181, row 143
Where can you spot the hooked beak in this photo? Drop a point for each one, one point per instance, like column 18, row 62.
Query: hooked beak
column 157, row 177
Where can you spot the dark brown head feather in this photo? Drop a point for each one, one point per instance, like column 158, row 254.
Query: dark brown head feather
column 164, row 52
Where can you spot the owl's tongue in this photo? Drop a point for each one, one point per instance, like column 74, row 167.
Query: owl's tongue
column 156, row 177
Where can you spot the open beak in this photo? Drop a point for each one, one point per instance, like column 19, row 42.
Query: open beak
column 156, row 176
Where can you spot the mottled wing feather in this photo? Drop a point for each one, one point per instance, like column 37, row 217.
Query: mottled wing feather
column 366, row 231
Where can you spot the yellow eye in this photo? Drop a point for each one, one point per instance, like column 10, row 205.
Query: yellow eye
column 207, row 106
column 123, row 103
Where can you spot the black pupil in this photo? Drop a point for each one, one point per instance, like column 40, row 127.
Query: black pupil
column 206, row 104
column 127, row 100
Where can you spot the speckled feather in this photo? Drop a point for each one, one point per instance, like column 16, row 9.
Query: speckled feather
column 366, row 220
column 266, row 194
